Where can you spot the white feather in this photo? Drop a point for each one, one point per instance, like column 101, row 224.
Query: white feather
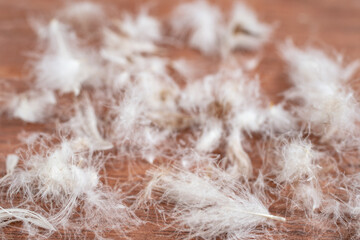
column 142, row 27
column 11, row 163
column 210, row 137
column 279, row 120
column 240, row 162
column 298, row 160
column 209, row 207
column 202, row 22
column 11, row 215
column 68, row 185
column 32, row 106
column 64, row 66
column 328, row 103
column 208, row 32
column 308, row 197
column 118, row 49
column 244, row 30
column 84, row 125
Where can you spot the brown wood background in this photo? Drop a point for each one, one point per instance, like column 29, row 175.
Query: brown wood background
column 330, row 24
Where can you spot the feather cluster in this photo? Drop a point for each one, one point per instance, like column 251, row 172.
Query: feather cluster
column 208, row 31
column 66, row 178
column 221, row 155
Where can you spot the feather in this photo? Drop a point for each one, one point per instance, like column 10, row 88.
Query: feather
column 201, row 21
column 64, row 66
column 226, row 106
column 209, row 33
column 240, row 162
column 31, row 106
column 328, row 104
column 146, row 114
column 84, row 125
column 298, row 160
column 11, row 215
column 279, row 120
column 118, row 49
column 211, row 136
column 308, row 197
column 244, row 30
column 142, row 27
column 68, row 185
column 209, row 204
column 11, row 162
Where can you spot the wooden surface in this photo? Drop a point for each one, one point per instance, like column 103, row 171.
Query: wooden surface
column 330, row 24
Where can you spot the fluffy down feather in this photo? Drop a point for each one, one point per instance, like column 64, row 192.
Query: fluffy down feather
column 328, row 104
column 67, row 183
column 209, row 204
column 31, row 106
column 64, row 65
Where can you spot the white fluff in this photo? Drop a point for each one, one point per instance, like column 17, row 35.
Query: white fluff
column 228, row 105
column 132, row 37
column 208, row 32
column 209, row 204
column 308, row 196
column 140, row 118
column 146, row 112
column 328, row 104
column 240, row 162
column 244, row 30
column 31, row 106
column 64, row 66
column 11, row 163
column 210, row 137
column 68, row 185
column 201, row 21
column 119, row 49
column 279, row 120
column 224, row 94
column 298, row 160
column 59, row 174
column 352, row 203
column 251, row 119
column 142, row 27
column 190, row 158
column 149, row 67
column 84, row 126
column 185, row 68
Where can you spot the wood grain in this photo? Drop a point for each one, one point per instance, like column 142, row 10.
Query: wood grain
column 330, row 24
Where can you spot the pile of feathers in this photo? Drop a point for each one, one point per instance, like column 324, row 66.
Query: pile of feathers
column 222, row 160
